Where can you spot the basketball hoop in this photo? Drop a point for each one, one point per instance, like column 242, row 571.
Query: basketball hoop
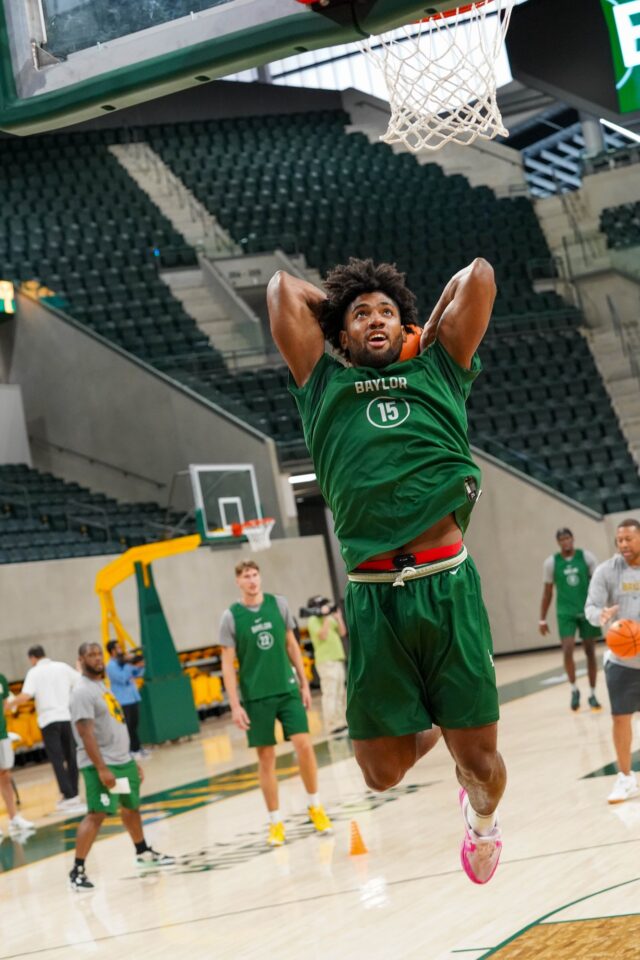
column 257, row 532
column 441, row 76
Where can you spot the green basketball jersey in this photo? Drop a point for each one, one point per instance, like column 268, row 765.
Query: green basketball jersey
column 260, row 637
column 390, row 447
column 571, row 578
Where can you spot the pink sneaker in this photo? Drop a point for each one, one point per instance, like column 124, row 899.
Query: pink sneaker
column 479, row 855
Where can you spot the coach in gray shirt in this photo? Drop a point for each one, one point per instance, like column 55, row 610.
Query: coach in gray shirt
column 111, row 776
column 614, row 594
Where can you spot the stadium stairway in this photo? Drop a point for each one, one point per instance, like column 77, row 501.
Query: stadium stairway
column 43, row 517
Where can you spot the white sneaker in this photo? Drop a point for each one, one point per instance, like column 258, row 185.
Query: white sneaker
column 625, row 788
column 67, row 802
column 17, row 824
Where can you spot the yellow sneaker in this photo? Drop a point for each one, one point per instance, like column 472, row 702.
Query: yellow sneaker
column 276, row 836
column 320, row 820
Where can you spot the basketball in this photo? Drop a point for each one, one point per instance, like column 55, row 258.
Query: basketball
column 412, row 343
column 623, row 638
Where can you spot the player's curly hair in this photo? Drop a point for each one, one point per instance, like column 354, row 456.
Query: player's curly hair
column 347, row 281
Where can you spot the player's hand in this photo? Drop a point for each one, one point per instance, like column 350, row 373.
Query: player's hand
column 305, row 693
column 140, row 772
column 608, row 613
column 107, row 779
column 240, row 717
column 543, row 628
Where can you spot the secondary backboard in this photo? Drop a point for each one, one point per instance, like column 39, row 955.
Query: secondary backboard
column 70, row 60
column 225, row 494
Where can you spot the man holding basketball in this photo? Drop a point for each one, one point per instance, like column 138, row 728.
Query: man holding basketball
column 390, row 448
column 614, row 594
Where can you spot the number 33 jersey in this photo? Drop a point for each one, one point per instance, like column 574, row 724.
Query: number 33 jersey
column 390, row 447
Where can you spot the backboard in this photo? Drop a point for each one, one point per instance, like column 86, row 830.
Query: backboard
column 65, row 61
column 225, row 494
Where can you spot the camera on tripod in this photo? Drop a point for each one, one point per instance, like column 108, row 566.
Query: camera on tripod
column 318, row 607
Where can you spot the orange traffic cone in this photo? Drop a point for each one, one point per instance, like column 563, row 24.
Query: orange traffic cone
column 356, row 845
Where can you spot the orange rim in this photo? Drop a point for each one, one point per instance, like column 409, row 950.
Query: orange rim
column 257, row 523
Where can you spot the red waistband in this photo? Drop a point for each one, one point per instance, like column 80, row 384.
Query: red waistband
column 423, row 556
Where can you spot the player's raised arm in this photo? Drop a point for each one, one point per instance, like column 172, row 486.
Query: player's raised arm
column 293, row 313
column 461, row 316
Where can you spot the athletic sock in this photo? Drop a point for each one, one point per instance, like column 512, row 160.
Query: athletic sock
column 79, row 862
column 141, row 847
column 313, row 799
column 480, row 824
column 275, row 816
column 593, row 691
column 574, row 687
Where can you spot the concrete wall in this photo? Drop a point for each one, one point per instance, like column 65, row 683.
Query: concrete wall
column 511, row 533
column 54, row 603
column 85, row 395
column 14, row 443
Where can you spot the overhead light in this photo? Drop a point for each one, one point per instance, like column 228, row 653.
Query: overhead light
column 302, row 478
column 618, row 129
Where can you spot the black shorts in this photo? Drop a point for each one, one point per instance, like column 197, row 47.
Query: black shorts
column 623, row 684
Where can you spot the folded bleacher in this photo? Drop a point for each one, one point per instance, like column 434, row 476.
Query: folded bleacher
column 43, row 517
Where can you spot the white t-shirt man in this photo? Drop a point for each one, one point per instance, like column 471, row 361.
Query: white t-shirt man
column 50, row 683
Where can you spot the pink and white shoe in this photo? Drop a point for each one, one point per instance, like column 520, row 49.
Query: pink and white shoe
column 479, row 855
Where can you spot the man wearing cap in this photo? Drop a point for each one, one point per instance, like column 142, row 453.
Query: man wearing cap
column 570, row 571
column 326, row 630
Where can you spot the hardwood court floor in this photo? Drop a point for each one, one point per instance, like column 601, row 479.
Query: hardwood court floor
column 568, row 886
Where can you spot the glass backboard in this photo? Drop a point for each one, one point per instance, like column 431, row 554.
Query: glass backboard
column 225, row 494
column 65, row 61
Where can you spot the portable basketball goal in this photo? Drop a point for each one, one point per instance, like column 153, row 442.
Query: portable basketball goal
column 440, row 74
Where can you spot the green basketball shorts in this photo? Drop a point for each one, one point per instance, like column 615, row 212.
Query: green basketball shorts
column 285, row 707
column 420, row 654
column 101, row 800
column 569, row 623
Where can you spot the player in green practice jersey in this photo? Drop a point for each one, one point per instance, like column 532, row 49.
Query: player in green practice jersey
column 258, row 631
column 570, row 571
column 388, row 438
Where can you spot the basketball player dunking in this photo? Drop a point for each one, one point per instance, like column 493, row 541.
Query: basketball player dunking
column 391, row 453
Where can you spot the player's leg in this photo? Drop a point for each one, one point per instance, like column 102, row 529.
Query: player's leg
column 261, row 735
column 480, row 768
column 16, row 822
column 589, row 634
column 267, row 777
column 88, row 830
column 385, row 760
column 146, row 856
column 623, row 686
column 306, row 761
column 567, row 629
column 99, row 803
column 482, row 775
column 52, row 736
column 295, row 725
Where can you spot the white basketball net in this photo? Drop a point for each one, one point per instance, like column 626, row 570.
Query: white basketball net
column 258, row 533
column 441, row 76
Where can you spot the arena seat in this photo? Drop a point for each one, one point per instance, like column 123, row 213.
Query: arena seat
column 621, row 225
column 45, row 518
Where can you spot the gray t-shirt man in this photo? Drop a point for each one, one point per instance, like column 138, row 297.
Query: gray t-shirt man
column 227, row 637
column 90, row 700
column 615, row 582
